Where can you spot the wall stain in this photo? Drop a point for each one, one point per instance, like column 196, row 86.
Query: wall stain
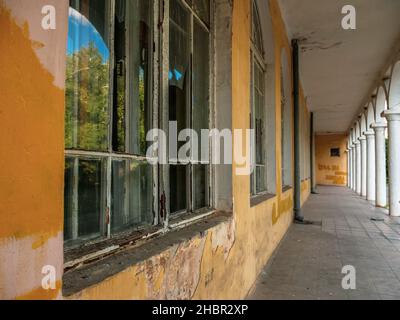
column 31, row 172
column 41, row 294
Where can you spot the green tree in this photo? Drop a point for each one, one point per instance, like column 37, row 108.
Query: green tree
column 87, row 100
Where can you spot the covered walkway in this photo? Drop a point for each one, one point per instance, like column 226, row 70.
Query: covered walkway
column 162, row 149
column 309, row 262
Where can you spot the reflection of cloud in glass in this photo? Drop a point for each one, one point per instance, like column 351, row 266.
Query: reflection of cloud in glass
column 81, row 33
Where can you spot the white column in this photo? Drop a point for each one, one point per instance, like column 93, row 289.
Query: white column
column 393, row 118
column 354, row 164
column 358, row 167
column 363, row 144
column 351, row 167
column 348, row 168
column 380, row 164
column 371, row 192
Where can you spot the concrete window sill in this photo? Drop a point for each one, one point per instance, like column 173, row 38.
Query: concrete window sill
column 286, row 188
column 259, row 199
column 87, row 275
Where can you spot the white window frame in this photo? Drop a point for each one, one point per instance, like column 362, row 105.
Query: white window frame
column 160, row 105
column 257, row 58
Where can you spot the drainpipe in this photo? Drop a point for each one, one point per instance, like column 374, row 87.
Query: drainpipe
column 312, row 154
column 296, row 100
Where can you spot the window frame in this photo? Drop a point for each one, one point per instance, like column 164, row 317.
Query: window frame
column 286, row 107
column 111, row 155
column 181, row 217
column 159, row 102
column 257, row 58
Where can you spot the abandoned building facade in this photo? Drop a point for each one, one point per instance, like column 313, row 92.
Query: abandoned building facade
column 83, row 203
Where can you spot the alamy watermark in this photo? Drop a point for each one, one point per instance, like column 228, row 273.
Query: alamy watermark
column 350, row 278
column 349, row 21
column 49, row 277
column 209, row 146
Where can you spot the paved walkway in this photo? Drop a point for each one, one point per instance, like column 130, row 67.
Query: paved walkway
column 309, row 262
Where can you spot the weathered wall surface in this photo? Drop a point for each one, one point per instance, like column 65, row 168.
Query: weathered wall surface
column 331, row 170
column 232, row 254
column 32, row 139
column 221, row 263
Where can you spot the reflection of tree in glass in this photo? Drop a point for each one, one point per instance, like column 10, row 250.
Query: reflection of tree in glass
column 120, row 107
column 87, row 91
column 142, row 132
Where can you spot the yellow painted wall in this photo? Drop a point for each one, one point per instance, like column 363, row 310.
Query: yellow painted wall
column 222, row 263
column 331, row 170
column 32, row 142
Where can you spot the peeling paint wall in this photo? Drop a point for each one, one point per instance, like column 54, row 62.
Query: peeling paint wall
column 331, row 170
column 221, row 263
column 232, row 254
column 32, row 135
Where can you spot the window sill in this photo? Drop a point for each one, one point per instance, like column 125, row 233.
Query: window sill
column 261, row 198
column 113, row 261
column 286, row 188
column 86, row 253
column 77, row 256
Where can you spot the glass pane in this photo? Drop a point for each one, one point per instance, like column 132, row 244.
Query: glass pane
column 200, row 186
column 260, row 177
column 179, row 90
column 259, row 117
column 252, row 177
column 179, row 56
column 69, row 199
column 256, row 30
column 87, row 76
column 84, row 197
column 132, row 195
column 132, row 99
column 283, row 130
column 259, row 133
column 201, row 82
column 202, row 9
column 178, row 188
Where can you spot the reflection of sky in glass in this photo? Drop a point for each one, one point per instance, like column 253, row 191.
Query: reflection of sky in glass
column 175, row 74
column 81, row 33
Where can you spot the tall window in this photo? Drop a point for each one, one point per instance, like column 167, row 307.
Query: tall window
column 108, row 181
column 258, row 110
column 284, row 131
column 110, row 185
column 286, row 123
column 189, row 101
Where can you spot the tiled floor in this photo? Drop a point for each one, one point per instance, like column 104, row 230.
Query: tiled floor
column 309, row 262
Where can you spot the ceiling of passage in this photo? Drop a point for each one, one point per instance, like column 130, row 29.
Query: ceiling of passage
column 339, row 67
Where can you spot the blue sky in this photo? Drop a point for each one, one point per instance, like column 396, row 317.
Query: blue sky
column 79, row 27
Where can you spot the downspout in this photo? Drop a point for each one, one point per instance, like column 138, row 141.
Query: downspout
column 312, row 154
column 297, row 161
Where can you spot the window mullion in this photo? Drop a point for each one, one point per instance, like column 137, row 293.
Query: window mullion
column 108, row 212
column 164, row 105
column 190, row 195
column 155, row 81
column 253, row 124
column 75, row 204
column 212, row 94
